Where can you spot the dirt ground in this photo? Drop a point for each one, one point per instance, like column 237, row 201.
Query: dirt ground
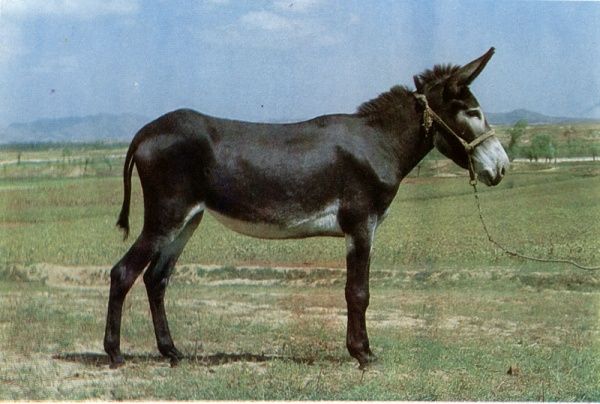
column 232, row 321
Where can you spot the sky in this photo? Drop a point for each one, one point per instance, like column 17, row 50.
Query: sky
column 282, row 60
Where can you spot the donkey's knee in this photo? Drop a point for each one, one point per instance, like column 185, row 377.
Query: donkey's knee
column 357, row 298
column 156, row 277
column 124, row 274
column 155, row 286
column 121, row 280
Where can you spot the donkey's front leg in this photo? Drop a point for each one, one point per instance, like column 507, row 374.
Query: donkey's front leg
column 357, row 291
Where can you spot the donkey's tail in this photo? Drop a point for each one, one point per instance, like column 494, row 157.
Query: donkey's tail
column 123, row 221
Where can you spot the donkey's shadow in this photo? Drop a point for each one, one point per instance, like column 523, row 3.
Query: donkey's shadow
column 216, row 359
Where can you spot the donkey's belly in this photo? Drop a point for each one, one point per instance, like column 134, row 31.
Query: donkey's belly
column 319, row 223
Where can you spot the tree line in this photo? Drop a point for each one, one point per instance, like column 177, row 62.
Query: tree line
column 542, row 146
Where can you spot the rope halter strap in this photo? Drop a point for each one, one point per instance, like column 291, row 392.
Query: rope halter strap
column 429, row 117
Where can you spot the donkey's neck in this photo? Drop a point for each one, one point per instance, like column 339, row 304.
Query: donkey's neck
column 399, row 117
column 411, row 143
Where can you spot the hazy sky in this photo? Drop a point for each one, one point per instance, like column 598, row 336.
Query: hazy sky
column 287, row 59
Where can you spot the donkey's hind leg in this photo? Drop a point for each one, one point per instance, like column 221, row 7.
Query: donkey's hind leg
column 156, row 279
column 122, row 278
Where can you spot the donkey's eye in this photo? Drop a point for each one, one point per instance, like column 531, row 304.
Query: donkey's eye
column 473, row 113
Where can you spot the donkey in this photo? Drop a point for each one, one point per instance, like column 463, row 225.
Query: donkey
column 334, row 175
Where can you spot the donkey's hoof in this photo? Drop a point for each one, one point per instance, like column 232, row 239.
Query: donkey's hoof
column 116, row 362
column 172, row 353
column 367, row 361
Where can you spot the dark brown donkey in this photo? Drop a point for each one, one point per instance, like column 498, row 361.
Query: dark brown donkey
column 334, row 175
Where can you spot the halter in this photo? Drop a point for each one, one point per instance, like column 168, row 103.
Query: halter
column 429, row 117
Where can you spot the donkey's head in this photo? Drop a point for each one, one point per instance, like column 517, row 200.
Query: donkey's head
column 446, row 89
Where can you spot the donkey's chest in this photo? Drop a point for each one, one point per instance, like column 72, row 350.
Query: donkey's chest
column 278, row 225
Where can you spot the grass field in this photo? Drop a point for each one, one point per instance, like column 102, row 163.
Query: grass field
column 257, row 319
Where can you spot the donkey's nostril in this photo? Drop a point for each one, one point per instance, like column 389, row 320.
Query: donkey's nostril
column 502, row 171
column 491, row 178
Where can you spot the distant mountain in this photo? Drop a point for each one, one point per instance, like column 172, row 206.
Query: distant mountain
column 532, row 118
column 101, row 127
column 122, row 127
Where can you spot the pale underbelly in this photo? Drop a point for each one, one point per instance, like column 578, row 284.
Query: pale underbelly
column 320, row 223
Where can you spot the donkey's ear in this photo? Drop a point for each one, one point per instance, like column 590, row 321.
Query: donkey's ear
column 418, row 84
column 470, row 71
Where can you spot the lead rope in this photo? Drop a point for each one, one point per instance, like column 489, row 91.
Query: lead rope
column 514, row 253
column 429, row 116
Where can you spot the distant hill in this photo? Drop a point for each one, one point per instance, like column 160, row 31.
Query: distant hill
column 101, row 127
column 122, row 127
column 532, row 118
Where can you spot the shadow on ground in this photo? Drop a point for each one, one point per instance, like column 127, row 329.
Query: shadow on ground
column 220, row 358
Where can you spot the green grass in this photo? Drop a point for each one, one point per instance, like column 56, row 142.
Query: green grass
column 436, row 340
column 449, row 314
column 433, row 222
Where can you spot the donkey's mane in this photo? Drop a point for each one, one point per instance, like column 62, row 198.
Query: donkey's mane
column 387, row 102
column 391, row 102
column 438, row 73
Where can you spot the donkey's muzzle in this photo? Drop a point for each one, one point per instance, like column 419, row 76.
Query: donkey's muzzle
column 492, row 177
column 490, row 162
